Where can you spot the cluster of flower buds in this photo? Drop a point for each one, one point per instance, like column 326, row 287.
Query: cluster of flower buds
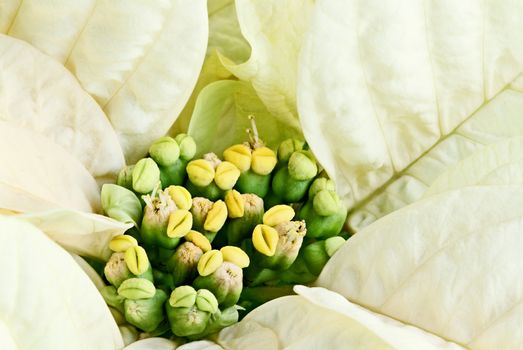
column 213, row 238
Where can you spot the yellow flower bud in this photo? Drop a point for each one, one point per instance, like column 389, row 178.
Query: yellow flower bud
column 239, row 155
column 216, row 217
column 136, row 260
column 122, row 242
column 209, row 262
column 265, row 239
column 180, row 223
column 263, row 160
column 181, row 197
column 235, row 204
column 198, row 240
column 235, row 255
column 226, row 175
column 200, row 172
column 278, row 214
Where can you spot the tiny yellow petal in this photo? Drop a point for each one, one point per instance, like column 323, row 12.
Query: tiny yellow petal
column 263, row 160
column 216, row 217
column 198, row 240
column 235, row 204
column 239, row 155
column 226, row 175
column 122, row 242
column 181, row 197
column 136, row 260
column 180, row 223
column 235, row 255
column 209, row 262
column 278, row 214
column 200, row 172
column 265, row 239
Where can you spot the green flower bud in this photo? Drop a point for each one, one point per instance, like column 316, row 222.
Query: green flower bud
column 146, row 314
column 238, row 229
column 136, row 260
column 125, row 177
column 146, row 176
column 183, row 264
column 319, row 226
column 302, row 165
column 226, row 283
column 250, row 182
column 129, row 334
column 165, row 151
column 121, row 243
column 163, row 280
column 173, row 174
column 263, row 160
column 287, row 148
column 117, row 315
column 206, row 301
column 187, row 146
column 298, row 273
column 112, row 298
column 326, row 203
column 187, row 321
column 211, row 191
column 287, row 188
column 315, row 257
column 209, row 262
column 218, row 321
column 116, row 270
column 333, row 244
column 290, row 238
column 136, row 288
column 184, row 296
column 156, row 219
column 201, row 172
column 320, row 184
column 121, row 204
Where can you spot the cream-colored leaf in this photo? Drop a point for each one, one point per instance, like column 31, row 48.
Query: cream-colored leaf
column 89, row 271
column 82, row 233
column 140, row 60
column 152, row 343
column 321, row 319
column 38, row 93
column 37, row 174
column 449, row 264
column 498, row 164
column 46, row 300
column 390, row 94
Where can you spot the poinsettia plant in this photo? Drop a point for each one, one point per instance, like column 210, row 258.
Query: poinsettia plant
column 411, row 108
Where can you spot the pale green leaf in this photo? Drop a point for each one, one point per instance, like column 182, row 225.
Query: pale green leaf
column 390, row 95
column 38, row 93
column 140, row 60
column 37, row 174
column 221, row 113
column 449, row 264
column 81, row 233
column 46, row 300
column 321, row 319
column 224, row 37
column 497, row 164
column 275, row 30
